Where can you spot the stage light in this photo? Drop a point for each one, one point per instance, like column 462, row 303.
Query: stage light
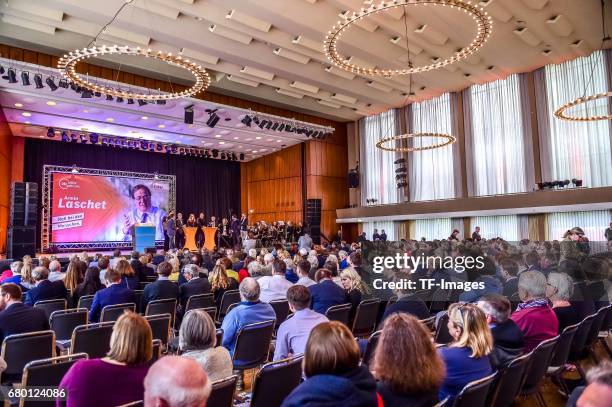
column 141, row 102
column 275, row 126
column 289, row 129
column 399, row 161
column 241, row 156
column 63, row 83
column 212, row 120
column 188, row 119
column 65, row 136
column 50, row 132
column 159, row 147
column 256, row 120
column 246, row 120
column 11, row 75
column 161, row 102
column 281, row 127
column 119, row 99
column 109, row 97
column 86, row 94
column 25, row 78
column 38, row 81
column 97, row 94
column 156, row 176
column 1, row 70
column 130, row 101
column 215, row 153
column 51, row 83
column 262, row 124
column 74, row 137
column 93, row 138
column 206, row 154
column 268, row 125
column 74, row 169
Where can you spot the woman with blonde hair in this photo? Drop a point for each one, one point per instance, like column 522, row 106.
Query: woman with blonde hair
column 408, row 368
column 128, row 275
column 220, row 283
column 26, row 272
column 466, row 359
column 332, row 370
column 88, row 381
column 354, row 287
column 73, row 275
column 176, row 267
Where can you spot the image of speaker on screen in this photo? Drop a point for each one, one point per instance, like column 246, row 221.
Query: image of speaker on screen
column 143, row 212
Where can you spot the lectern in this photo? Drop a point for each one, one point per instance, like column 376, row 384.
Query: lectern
column 190, row 242
column 143, row 236
column 209, row 238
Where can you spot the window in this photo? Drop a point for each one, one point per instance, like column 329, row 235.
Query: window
column 593, row 223
column 511, row 228
column 432, row 229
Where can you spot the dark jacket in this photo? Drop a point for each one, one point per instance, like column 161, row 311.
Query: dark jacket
column 19, row 318
column 396, row 399
column 193, row 287
column 45, row 290
column 511, row 286
column 159, row 290
column 140, row 270
column 325, row 294
column 115, row 294
column 356, row 388
column 508, row 343
column 133, row 283
column 409, row 304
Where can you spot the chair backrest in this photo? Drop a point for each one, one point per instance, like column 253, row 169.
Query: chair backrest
column 113, row 312
column 229, row 297
column 160, row 326
column 370, row 347
column 231, row 307
column 222, row 394
column 47, row 373
column 281, row 309
column 219, row 334
column 364, row 322
column 85, row 301
column 274, row 381
column 442, row 335
column 211, row 311
column 157, row 348
column 475, row 393
column 339, row 313
column 164, row 306
column 564, row 344
column 63, row 322
column 200, row 301
column 138, row 299
column 253, row 344
column 540, row 361
column 93, row 339
column 598, row 321
column 51, row 305
column 508, row 381
column 430, row 322
column 20, row 349
column 143, row 284
column 442, row 403
column 580, row 338
column 392, row 300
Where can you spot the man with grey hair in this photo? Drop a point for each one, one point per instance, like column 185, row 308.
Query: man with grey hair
column 533, row 316
column 44, row 289
column 249, row 311
column 55, row 271
column 194, row 285
column 508, row 341
column 255, row 269
column 175, row 381
column 16, row 270
column 268, row 259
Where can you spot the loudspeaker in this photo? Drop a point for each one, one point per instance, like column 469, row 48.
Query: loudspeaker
column 315, row 233
column 353, row 179
column 24, row 204
column 313, row 211
column 21, row 240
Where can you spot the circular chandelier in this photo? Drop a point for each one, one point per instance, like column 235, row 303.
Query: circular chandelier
column 483, row 22
column 561, row 112
column 446, row 140
column 67, row 65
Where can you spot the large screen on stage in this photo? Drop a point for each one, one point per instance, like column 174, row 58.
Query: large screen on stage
column 99, row 208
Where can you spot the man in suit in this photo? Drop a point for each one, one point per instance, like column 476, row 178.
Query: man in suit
column 235, row 229
column 476, row 235
column 162, row 288
column 44, row 289
column 509, row 272
column 305, row 241
column 114, row 293
column 244, row 225
column 195, row 284
column 326, row 293
column 171, row 230
column 16, row 317
column 137, row 266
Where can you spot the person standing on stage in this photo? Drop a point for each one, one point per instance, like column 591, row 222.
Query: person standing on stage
column 191, row 221
column 143, row 212
column 201, row 223
column 476, row 235
column 213, row 222
column 201, row 220
column 235, row 229
column 171, row 230
column 180, row 234
column 244, row 226
column 225, row 234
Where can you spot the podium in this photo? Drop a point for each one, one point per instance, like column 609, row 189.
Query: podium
column 209, row 238
column 190, row 241
column 143, row 236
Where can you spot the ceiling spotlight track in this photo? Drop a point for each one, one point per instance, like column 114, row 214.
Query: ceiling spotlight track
column 330, row 45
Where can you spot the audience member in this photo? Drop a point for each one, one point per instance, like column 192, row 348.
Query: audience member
column 27, row 281
column 291, row 272
column 274, row 287
column 293, row 334
column 508, row 341
column 220, row 283
column 466, row 359
column 559, row 290
column 55, row 271
column 598, row 392
column 103, row 265
column 406, row 302
column 94, row 382
column 44, row 289
column 90, row 285
column 332, row 370
column 195, row 284
column 509, row 273
column 161, row 289
column 326, row 293
column 534, row 317
column 175, row 381
column 115, row 293
column 408, row 368
column 137, row 266
column 486, row 276
column 73, row 275
column 128, row 275
column 354, row 288
column 198, row 341
column 305, row 241
column 15, row 277
column 303, row 271
column 15, row 316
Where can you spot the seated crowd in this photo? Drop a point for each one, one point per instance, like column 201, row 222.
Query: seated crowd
column 527, row 296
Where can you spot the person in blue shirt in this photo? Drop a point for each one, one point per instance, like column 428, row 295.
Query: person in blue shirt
column 249, row 311
column 466, row 359
column 115, row 293
column 326, row 293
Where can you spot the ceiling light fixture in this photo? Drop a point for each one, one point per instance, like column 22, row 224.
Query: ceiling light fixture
column 447, row 139
column 51, row 83
column 482, row 19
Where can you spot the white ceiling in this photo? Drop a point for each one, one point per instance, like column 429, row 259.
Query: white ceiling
column 282, row 41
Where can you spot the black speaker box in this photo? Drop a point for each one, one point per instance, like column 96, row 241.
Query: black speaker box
column 353, row 179
column 21, row 240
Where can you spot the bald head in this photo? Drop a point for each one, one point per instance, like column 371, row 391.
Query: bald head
column 249, row 289
column 175, row 381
